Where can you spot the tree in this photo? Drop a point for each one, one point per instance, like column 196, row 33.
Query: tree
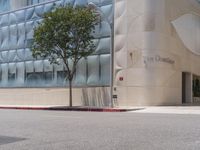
column 65, row 36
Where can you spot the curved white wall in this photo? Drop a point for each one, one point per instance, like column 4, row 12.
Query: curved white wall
column 188, row 29
column 149, row 54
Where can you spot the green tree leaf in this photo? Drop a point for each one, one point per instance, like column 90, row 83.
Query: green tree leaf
column 65, row 35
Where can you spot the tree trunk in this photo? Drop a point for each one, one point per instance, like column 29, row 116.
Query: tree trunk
column 70, row 93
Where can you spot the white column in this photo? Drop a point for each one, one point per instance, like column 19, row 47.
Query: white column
column 187, row 87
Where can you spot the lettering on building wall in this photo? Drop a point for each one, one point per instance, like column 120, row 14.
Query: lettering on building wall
column 158, row 59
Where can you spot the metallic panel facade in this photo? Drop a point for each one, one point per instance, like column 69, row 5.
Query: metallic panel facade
column 19, row 69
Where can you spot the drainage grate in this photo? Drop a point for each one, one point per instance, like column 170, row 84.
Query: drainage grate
column 7, row 139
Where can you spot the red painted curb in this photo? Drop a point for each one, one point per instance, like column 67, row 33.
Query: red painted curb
column 25, row 108
column 71, row 109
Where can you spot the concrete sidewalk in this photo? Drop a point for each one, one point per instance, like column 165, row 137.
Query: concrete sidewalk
column 171, row 110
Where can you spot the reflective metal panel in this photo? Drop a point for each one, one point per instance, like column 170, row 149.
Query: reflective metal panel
column 19, row 69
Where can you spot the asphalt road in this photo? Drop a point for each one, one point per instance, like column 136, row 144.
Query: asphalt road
column 59, row 130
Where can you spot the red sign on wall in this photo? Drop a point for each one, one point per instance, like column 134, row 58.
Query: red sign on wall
column 121, row 78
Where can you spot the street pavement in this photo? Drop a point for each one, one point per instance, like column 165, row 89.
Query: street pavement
column 65, row 130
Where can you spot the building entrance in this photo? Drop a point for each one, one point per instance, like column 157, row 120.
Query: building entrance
column 196, row 88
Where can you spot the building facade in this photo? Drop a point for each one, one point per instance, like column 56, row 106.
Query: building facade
column 157, row 51
column 32, row 81
column 149, row 49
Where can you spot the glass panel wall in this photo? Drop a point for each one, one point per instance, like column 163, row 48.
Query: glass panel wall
column 4, row 5
column 19, row 69
column 32, row 2
column 196, row 88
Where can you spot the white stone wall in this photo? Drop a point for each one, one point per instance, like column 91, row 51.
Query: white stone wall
column 149, row 54
column 93, row 96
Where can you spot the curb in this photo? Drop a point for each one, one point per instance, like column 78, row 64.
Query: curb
column 24, row 108
column 87, row 109
column 92, row 109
